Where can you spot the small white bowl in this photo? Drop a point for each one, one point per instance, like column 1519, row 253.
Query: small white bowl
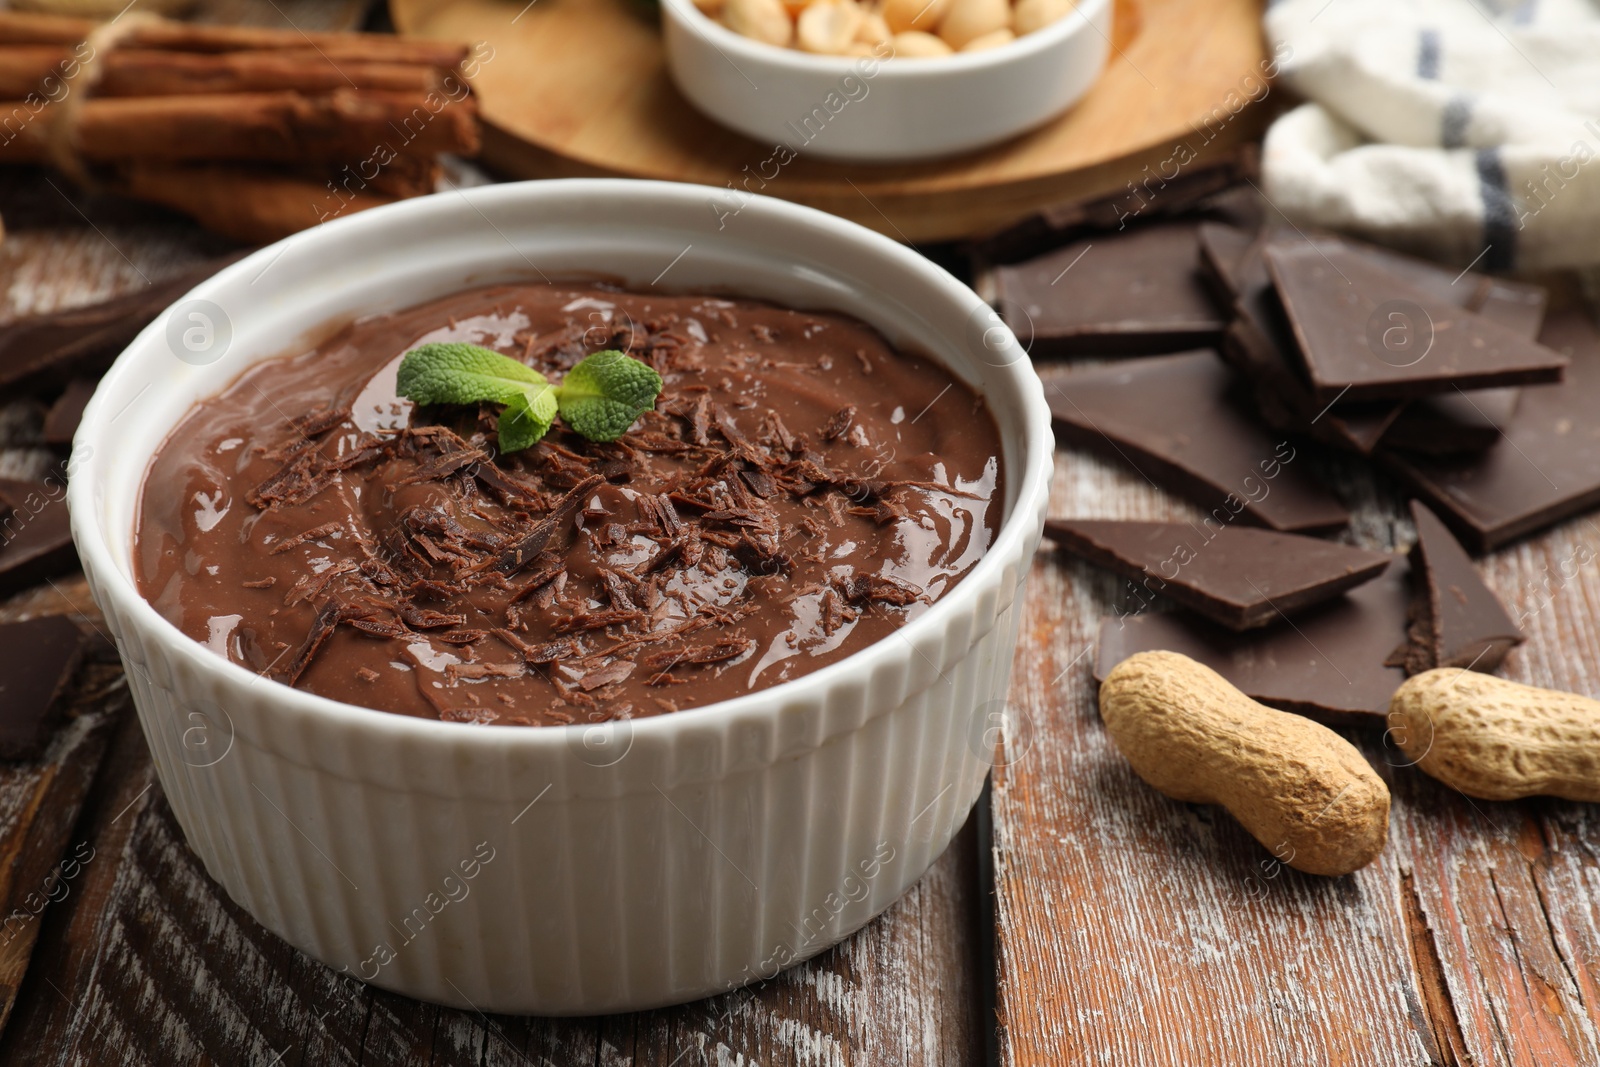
column 890, row 110
column 567, row 870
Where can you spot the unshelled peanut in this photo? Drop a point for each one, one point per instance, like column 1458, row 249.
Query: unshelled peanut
column 1300, row 789
column 1497, row 739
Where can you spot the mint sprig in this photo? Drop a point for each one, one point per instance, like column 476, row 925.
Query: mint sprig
column 599, row 398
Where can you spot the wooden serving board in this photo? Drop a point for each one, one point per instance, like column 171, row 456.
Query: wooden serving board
column 579, row 88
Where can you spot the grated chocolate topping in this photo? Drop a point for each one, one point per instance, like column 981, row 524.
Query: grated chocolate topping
column 783, row 506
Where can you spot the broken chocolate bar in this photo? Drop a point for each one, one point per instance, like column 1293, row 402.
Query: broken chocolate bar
column 1452, row 423
column 1547, row 468
column 1363, row 333
column 1261, row 344
column 62, row 421
column 1239, row 577
column 1179, row 422
column 36, row 537
column 1135, row 293
column 1457, row 619
column 1328, row 664
column 1157, row 197
column 47, row 351
column 38, row 658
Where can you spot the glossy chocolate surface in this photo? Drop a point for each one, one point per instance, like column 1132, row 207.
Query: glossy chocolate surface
column 800, row 491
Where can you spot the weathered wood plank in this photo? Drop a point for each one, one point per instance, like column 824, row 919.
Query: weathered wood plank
column 152, row 964
column 1135, row 930
column 39, row 804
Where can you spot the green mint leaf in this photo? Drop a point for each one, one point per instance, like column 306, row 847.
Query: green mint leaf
column 462, row 374
column 525, row 421
column 469, row 374
column 599, row 398
column 603, row 395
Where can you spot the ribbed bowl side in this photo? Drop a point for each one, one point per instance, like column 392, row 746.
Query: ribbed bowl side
column 546, row 884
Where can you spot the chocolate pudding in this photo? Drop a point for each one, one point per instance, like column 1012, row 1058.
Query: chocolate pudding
column 799, row 491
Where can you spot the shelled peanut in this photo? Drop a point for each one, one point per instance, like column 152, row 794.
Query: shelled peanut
column 905, row 28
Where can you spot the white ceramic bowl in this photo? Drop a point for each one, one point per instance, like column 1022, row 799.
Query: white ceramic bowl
column 888, row 110
column 615, row 867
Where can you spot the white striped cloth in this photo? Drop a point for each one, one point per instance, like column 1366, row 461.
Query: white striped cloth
column 1466, row 132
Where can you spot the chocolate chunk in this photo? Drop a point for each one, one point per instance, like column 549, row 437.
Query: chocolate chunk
column 1235, row 264
column 1461, row 622
column 1260, row 345
column 44, row 351
column 1224, row 252
column 1363, row 333
column 65, row 414
column 1546, row 469
column 37, row 661
column 1327, row 664
column 1452, row 423
column 1179, row 421
column 36, row 537
column 1135, row 293
column 1239, row 577
column 1192, row 188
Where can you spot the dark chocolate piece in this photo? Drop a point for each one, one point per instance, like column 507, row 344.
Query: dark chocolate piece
column 1153, row 198
column 65, row 414
column 1259, row 344
column 1327, row 664
column 1239, row 577
column 1179, row 421
column 1452, row 423
column 1343, row 310
column 1547, row 468
column 1458, row 621
column 36, row 537
column 1235, row 265
column 47, row 351
column 38, row 658
column 1225, row 251
column 1136, row 293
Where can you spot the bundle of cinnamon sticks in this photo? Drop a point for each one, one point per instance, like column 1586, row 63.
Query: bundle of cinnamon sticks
column 257, row 133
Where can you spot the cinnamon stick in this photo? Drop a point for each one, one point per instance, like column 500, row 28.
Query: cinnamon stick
column 268, row 127
column 248, row 204
column 25, row 28
column 145, row 72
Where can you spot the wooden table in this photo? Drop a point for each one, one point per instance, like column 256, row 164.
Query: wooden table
column 1097, row 922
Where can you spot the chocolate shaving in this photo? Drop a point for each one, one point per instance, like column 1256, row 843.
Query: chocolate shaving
column 544, row 652
column 444, row 466
column 316, row 533
column 378, row 627
column 472, row 672
column 715, row 652
column 761, row 557
column 461, row 637
column 878, row 588
column 837, row 426
column 519, row 555
column 610, row 674
column 428, row 619
column 312, row 585
column 664, row 555
column 327, row 620
column 316, row 423
column 596, row 620
column 617, row 590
